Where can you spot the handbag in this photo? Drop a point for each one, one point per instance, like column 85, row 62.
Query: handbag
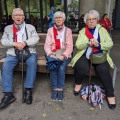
column 52, row 63
column 98, row 58
column 59, row 52
column 23, row 54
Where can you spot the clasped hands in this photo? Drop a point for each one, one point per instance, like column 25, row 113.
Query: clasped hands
column 19, row 45
column 93, row 42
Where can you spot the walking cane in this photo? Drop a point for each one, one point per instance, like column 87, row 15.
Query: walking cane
column 89, row 76
column 23, row 99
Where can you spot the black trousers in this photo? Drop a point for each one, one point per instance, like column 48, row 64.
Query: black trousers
column 82, row 67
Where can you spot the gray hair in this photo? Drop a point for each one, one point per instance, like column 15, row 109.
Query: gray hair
column 17, row 9
column 92, row 12
column 58, row 13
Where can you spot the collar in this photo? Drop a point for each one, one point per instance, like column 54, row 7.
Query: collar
column 92, row 28
column 59, row 29
column 19, row 26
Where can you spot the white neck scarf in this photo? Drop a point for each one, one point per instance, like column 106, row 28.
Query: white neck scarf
column 89, row 50
column 20, row 33
column 61, row 36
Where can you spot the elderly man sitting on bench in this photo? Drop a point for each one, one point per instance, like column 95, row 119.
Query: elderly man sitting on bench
column 18, row 36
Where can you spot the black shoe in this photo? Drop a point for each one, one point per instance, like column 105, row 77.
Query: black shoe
column 111, row 106
column 76, row 93
column 28, row 97
column 6, row 100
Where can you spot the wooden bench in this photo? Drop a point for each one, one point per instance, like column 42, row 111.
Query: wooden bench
column 41, row 65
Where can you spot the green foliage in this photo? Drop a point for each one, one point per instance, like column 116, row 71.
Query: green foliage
column 61, row 7
column 10, row 6
column 57, row 2
column 75, row 3
column 35, row 13
column 34, row 6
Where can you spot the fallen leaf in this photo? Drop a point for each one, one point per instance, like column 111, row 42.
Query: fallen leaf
column 44, row 115
column 67, row 87
column 92, row 108
column 57, row 109
column 49, row 103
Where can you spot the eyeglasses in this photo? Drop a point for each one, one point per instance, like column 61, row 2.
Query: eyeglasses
column 58, row 18
column 92, row 19
column 18, row 15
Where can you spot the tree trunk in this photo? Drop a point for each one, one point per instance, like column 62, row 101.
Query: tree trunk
column 46, row 7
column 1, row 12
column 23, row 5
column 6, row 11
column 35, row 5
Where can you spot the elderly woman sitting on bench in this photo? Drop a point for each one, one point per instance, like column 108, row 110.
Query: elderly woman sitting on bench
column 59, row 45
column 93, row 39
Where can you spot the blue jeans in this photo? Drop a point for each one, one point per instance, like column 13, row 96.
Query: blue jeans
column 58, row 77
column 8, row 69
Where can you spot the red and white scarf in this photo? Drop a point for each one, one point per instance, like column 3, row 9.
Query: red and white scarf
column 18, row 33
column 90, row 36
column 58, row 38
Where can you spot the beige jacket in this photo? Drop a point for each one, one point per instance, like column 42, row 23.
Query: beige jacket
column 7, row 39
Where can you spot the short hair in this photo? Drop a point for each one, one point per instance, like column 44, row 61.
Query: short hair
column 104, row 15
column 58, row 13
column 17, row 9
column 92, row 12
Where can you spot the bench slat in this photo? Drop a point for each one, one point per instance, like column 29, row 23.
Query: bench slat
column 41, row 67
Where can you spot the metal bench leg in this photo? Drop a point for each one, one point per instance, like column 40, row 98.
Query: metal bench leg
column 0, row 76
column 114, row 75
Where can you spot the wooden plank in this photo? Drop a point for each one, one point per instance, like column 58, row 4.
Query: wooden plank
column 41, row 58
column 41, row 67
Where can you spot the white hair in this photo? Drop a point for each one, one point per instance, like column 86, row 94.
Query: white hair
column 17, row 9
column 92, row 12
column 58, row 13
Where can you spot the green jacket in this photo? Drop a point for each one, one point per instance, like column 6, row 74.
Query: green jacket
column 82, row 44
